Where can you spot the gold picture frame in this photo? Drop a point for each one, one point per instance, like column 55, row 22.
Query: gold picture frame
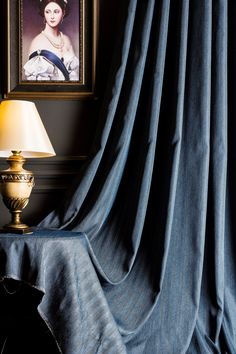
column 19, row 13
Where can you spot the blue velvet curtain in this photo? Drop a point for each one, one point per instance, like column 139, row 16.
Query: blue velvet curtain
column 156, row 199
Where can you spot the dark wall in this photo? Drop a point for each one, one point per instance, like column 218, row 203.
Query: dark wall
column 71, row 126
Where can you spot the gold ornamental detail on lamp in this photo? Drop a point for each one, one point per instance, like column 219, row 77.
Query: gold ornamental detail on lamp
column 22, row 133
column 15, row 178
column 15, row 204
column 16, row 185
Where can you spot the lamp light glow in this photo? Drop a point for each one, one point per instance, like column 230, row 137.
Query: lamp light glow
column 22, row 133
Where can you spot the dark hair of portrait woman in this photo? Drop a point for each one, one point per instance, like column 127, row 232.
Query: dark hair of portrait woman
column 63, row 5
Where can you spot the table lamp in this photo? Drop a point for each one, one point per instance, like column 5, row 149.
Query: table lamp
column 22, row 135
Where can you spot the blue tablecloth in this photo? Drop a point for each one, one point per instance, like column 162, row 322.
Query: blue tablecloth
column 73, row 304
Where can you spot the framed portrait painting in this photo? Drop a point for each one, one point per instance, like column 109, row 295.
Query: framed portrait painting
column 50, row 48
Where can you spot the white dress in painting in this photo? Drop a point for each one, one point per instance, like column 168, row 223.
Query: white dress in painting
column 41, row 68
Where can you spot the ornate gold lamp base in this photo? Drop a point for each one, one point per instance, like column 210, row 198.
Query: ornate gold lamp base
column 15, row 226
column 16, row 185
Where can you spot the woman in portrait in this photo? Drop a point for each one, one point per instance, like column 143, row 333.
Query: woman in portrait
column 51, row 54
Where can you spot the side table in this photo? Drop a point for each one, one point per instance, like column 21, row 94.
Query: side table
column 73, row 305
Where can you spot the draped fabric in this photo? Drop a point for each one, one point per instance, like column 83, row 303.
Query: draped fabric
column 156, row 198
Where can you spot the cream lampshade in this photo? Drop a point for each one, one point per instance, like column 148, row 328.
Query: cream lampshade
column 22, row 135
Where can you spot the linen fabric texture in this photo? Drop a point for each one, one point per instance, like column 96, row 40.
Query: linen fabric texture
column 156, row 198
column 73, row 307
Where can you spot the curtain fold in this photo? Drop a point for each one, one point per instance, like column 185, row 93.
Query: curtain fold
column 155, row 198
